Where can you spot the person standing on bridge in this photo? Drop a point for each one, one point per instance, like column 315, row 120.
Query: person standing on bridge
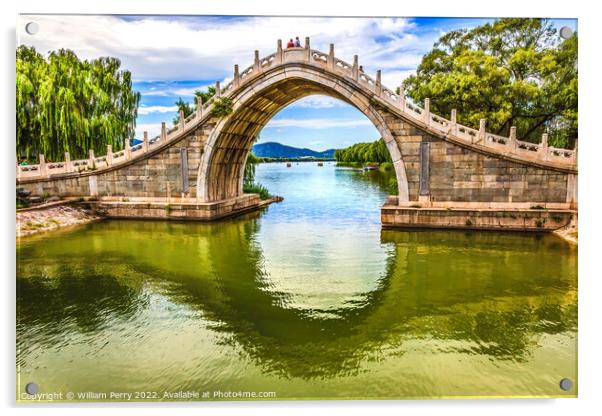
column 290, row 44
column 297, row 42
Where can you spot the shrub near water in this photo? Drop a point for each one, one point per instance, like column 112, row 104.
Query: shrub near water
column 249, row 184
column 256, row 188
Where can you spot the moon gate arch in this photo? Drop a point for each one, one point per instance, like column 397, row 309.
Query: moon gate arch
column 221, row 170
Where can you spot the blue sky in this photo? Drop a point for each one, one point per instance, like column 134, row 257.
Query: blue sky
column 171, row 56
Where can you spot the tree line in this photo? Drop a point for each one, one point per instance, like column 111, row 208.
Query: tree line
column 372, row 152
column 65, row 104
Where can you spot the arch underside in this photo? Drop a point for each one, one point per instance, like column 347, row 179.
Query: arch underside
column 228, row 151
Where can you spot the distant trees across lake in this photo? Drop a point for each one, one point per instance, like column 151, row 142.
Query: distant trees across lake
column 364, row 153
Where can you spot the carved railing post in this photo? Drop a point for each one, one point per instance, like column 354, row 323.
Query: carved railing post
column 256, row 63
column 402, row 97
column 482, row 125
column 307, row 49
column 127, row 153
column 236, row 80
column 68, row 165
column 109, row 155
column 544, row 146
column 378, row 88
column 575, row 151
column 163, row 132
column 453, row 122
column 42, row 166
column 145, row 135
column 355, row 68
column 91, row 159
column 218, row 90
column 330, row 59
column 512, row 141
column 199, row 107
column 182, row 120
column 427, row 111
column 279, row 52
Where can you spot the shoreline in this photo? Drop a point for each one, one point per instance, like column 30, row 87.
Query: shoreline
column 61, row 214
column 53, row 217
column 569, row 234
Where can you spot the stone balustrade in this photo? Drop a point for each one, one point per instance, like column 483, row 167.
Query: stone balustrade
column 396, row 103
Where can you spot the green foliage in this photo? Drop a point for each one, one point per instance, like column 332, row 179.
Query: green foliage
column 182, row 106
column 257, row 188
column 386, row 167
column 374, row 152
column 65, row 104
column 249, row 176
column 205, row 95
column 513, row 72
column 374, row 102
column 221, row 107
column 556, row 218
column 188, row 108
column 393, row 188
column 249, row 185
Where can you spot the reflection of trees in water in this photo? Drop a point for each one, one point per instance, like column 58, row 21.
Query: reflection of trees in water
column 426, row 293
column 54, row 302
column 378, row 179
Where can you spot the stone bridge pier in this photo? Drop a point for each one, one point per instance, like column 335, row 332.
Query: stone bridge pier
column 447, row 174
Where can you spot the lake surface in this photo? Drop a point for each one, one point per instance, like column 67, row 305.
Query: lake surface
column 307, row 299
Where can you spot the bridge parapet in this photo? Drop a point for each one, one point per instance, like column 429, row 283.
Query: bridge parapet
column 396, row 103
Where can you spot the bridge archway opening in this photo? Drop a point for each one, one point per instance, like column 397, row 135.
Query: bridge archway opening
column 221, row 171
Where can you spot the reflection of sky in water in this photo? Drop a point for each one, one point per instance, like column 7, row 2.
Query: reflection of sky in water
column 321, row 250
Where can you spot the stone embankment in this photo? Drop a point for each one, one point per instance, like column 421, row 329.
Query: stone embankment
column 570, row 232
column 52, row 217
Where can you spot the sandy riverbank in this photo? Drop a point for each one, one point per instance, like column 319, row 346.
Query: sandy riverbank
column 568, row 233
column 51, row 218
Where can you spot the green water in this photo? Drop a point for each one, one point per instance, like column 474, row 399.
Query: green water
column 307, row 299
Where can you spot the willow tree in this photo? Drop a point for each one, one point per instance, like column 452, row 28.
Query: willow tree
column 512, row 72
column 65, row 104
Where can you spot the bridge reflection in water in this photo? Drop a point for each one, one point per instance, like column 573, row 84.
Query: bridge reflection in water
column 122, row 306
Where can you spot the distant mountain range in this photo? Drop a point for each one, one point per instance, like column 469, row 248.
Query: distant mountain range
column 277, row 150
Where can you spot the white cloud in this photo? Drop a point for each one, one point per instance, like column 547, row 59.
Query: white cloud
column 156, row 109
column 318, row 101
column 393, row 79
column 193, row 48
column 317, row 123
column 153, row 129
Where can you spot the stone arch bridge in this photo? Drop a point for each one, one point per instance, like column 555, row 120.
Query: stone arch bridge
column 197, row 166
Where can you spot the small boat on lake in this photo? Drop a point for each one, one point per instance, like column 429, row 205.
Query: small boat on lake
column 320, row 164
column 288, row 165
column 370, row 167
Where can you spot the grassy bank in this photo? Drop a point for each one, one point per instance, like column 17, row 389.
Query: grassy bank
column 257, row 188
